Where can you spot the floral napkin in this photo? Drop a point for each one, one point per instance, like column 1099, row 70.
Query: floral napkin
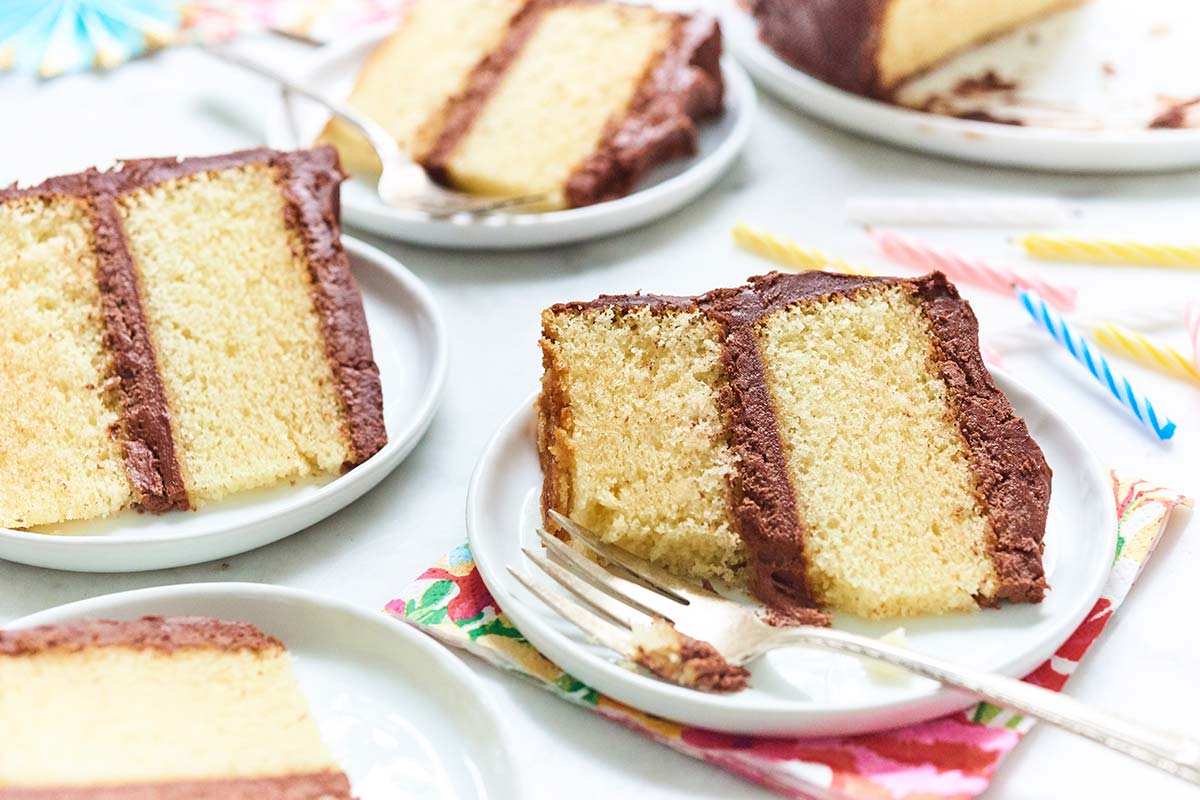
column 951, row 757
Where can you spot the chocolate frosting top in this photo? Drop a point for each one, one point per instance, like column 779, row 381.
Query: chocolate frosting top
column 1012, row 476
column 330, row 785
column 166, row 634
column 833, row 40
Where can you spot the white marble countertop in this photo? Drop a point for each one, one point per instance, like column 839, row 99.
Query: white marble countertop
column 793, row 179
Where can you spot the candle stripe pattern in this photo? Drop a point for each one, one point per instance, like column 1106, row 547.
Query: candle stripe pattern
column 792, row 254
column 1145, row 350
column 1109, row 251
column 1117, row 385
column 913, row 253
column 1191, row 318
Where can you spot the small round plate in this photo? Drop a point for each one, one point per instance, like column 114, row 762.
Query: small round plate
column 1104, row 57
column 665, row 189
column 401, row 715
column 811, row 692
column 409, row 341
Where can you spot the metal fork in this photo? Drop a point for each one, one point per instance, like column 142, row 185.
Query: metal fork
column 402, row 182
column 612, row 606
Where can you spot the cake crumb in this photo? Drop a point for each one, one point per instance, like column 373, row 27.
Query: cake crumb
column 681, row 659
column 883, row 671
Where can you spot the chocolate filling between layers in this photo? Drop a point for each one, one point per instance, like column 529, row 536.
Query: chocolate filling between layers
column 144, row 418
column 165, row 634
column 331, row 785
column 1012, row 476
column 684, row 85
column 309, row 182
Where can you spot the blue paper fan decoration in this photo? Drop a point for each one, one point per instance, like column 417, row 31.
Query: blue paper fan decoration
column 51, row 37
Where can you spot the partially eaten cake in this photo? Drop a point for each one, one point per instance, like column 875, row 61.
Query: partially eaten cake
column 830, row 441
column 872, row 46
column 175, row 707
column 573, row 99
column 175, row 331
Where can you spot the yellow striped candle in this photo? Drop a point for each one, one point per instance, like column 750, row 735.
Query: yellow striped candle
column 1083, row 250
column 1144, row 350
column 792, row 254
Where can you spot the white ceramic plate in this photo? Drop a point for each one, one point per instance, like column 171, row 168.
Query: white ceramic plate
column 402, row 716
column 810, row 692
column 665, row 189
column 409, row 341
column 1104, row 66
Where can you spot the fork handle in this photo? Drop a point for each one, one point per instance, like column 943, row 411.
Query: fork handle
column 1169, row 752
column 385, row 146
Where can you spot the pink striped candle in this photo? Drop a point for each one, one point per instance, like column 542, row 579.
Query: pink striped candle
column 914, row 253
column 1191, row 316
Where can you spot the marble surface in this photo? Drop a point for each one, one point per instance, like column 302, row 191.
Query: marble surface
column 793, row 179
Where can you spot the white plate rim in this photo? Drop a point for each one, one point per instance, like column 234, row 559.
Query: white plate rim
column 732, row 713
column 377, row 467
column 962, row 139
column 447, row 662
column 638, row 208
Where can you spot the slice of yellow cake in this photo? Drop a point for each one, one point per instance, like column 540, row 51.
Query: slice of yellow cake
column 176, row 331
column 872, row 46
column 832, row 442
column 573, row 99
column 411, row 79
column 176, row 707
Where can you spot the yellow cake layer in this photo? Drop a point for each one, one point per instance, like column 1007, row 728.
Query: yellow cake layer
column 226, row 291
column 645, row 454
column 58, row 457
column 112, row 715
column 576, row 75
column 409, row 80
column 887, row 502
column 917, row 34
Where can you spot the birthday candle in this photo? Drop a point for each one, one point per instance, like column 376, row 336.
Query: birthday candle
column 1141, row 348
column 1191, row 318
column 1097, row 365
column 1012, row 211
column 792, row 254
column 1109, row 251
column 905, row 250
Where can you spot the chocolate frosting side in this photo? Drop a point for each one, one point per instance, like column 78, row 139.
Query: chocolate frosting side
column 310, row 181
column 686, row 85
column 144, row 424
column 1013, row 475
column 833, row 40
column 311, row 186
column 330, row 785
column 166, row 634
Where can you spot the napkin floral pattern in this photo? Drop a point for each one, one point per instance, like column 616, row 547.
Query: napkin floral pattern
column 951, row 758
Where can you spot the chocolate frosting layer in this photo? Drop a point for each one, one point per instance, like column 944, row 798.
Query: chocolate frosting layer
column 166, row 634
column 833, row 40
column 1013, row 479
column 685, row 85
column 144, row 423
column 330, row 785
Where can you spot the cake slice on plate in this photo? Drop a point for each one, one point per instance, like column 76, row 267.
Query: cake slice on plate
column 872, row 46
column 175, row 707
column 176, row 331
column 574, row 99
column 831, row 442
